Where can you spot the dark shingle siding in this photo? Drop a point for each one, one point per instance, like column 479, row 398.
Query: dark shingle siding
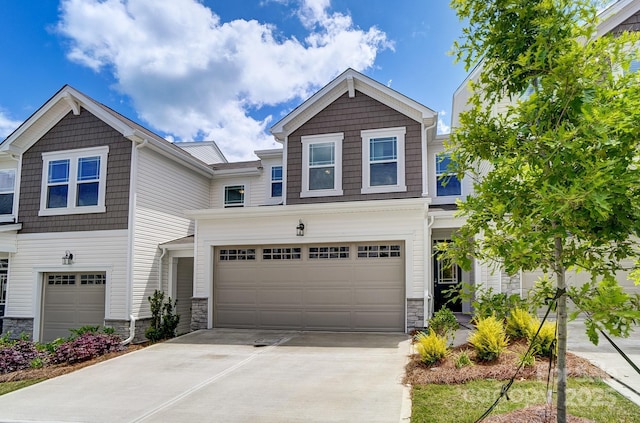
column 350, row 116
column 632, row 24
column 73, row 132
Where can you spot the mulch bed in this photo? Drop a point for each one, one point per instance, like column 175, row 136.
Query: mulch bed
column 48, row 372
column 503, row 368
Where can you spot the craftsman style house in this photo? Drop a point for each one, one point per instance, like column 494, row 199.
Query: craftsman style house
column 335, row 230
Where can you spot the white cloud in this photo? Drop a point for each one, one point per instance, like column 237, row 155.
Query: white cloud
column 443, row 128
column 7, row 125
column 192, row 75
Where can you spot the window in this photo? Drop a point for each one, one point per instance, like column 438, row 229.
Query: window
column 240, row 254
column 447, row 183
column 7, row 187
column 383, row 160
column 322, row 165
column 283, row 253
column 328, row 252
column 378, row 251
column 234, row 196
column 74, row 181
column 276, row 181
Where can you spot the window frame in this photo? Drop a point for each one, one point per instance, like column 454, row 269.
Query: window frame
column 243, row 187
column 74, row 157
column 9, row 217
column 399, row 134
column 309, row 140
column 438, row 174
column 276, row 181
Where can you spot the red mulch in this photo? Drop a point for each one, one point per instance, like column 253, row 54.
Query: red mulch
column 533, row 414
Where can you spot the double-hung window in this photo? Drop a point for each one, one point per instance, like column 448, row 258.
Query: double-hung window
column 383, row 160
column 447, row 183
column 7, row 188
column 322, row 165
column 276, row 181
column 234, row 196
column 74, row 181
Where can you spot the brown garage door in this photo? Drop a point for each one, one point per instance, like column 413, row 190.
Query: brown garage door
column 71, row 300
column 347, row 287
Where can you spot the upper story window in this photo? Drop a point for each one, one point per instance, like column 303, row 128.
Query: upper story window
column 322, row 165
column 234, row 196
column 447, row 183
column 276, row 181
column 383, row 160
column 7, row 189
column 74, row 181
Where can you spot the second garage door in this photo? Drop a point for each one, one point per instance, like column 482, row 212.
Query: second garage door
column 347, row 287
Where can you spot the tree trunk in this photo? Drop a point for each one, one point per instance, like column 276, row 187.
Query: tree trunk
column 562, row 333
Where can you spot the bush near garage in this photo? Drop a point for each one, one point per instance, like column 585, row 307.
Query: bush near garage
column 84, row 344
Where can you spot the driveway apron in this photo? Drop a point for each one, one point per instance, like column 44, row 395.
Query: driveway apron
column 230, row 376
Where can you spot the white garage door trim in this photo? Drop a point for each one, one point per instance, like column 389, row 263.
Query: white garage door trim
column 339, row 286
column 71, row 300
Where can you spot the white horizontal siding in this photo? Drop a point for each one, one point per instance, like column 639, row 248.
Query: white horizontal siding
column 254, row 186
column 407, row 225
column 42, row 252
column 164, row 190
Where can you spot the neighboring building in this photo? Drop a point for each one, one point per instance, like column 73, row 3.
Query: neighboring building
column 86, row 196
column 623, row 15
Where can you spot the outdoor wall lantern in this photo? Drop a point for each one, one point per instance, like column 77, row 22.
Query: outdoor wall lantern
column 300, row 228
column 68, row 258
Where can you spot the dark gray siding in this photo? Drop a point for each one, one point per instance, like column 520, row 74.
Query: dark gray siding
column 632, row 24
column 72, row 132
column 350, row 116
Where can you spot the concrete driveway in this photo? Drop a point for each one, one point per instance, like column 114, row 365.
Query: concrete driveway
column 222, row 376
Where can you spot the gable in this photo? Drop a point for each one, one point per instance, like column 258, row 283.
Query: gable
column 632, row 24
column 349, row 116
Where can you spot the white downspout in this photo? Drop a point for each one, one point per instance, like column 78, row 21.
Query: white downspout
column 428, row 278
column 164, row 252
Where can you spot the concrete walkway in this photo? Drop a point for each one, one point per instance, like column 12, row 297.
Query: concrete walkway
column 221, row 376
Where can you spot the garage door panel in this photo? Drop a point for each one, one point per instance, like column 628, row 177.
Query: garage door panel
column 379, row 296
column 327, row 320
column 314, row 291
column 279, row 296
column 328, row 297
column 237, row 296
column 70, row 301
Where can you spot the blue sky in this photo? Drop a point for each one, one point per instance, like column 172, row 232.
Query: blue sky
column 223, row 70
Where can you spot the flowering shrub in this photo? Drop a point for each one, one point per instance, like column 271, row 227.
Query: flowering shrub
column 85, row 347
column 19, row 355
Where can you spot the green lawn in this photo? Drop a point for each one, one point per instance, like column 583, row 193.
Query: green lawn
column 594, row 400
column 6, row 387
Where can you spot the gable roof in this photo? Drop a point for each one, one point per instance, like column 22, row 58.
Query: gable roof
column 68, row 99
column 349, row 81
column 616, row 14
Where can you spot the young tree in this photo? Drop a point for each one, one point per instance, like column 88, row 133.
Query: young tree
column 557, row 172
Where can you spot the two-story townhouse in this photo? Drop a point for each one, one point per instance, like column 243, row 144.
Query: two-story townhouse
column 354, row 209
column 620, row 16
column 86, row 197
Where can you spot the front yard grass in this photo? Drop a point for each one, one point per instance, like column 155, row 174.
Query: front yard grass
column 460, row 403
column 6, row 387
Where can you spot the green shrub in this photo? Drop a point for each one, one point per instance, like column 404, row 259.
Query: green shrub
column 462, row 359
column 83, row 329
column 526, row 360
column 164, row 320
column 489, row 339
column 431, row 347
column 545, row 341
column 444, row 323
column 520, row 323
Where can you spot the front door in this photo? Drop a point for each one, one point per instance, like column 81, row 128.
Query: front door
column 446, row 276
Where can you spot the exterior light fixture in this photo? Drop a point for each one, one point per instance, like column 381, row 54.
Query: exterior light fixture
column 68, row 258
column 300, row 228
